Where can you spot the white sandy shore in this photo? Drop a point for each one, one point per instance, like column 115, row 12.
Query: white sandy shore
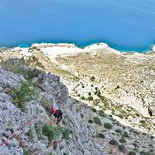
column 68, row 49
column 64, row 49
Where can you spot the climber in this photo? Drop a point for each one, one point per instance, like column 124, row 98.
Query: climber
column 58, row 114
column 56, row 111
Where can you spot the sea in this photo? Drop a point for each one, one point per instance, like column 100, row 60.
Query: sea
column 125, row 25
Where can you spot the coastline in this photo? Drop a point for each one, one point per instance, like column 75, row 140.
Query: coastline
column 71, row 48
column 68, row 49
column 87, row 44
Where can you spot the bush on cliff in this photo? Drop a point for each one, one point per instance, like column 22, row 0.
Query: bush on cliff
column 27, row 91
column 54, row 132
column 97, row 121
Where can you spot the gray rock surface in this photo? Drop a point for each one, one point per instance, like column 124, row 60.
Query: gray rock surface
column 11, row 117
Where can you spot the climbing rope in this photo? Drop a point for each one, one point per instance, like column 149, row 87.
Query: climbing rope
column 22, row 125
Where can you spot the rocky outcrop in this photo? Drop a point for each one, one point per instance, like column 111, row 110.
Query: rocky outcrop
column 81, row 141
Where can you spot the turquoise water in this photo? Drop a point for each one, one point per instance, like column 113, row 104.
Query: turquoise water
column 123, row 24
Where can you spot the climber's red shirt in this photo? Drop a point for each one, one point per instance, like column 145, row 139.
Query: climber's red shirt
column 53, row 111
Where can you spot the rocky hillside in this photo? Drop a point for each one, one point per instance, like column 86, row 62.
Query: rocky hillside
column 73, row 137
column 108, row 101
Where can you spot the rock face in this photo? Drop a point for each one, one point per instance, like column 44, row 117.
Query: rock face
column 8, row 79
column 81, row 141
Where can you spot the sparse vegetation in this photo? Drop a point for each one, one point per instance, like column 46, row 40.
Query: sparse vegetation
column 90, row 98
column 54, row 133
column 118, row 131
column 107, row 125
column 104, row 99
column 132, row 153
column 90, row 121
column 122, row 148
column 27, row 91
column 19, row 67
column 97, row 92
column 92, row 79
column 82, row 98
column 113, row 142
column 30, row 134
column 96, row 102
column 122, row 140
column 101, row 113
column 65, row 132
column 51, row 132
column 93, row 109
column 97, row 121
column 100, row 135
column 125, row 134
column 120, row 116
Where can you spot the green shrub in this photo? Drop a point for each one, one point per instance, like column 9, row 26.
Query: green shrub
column 135, row 144
column 92, row 78
column 122, row 140
column 122, row 148
column 143, row 123
column 93, row 109
column 90, row 98
column 53, row 133
column 65, row 132
column 97, row 92
column 101, row 113
column 118, row 131
column 30, row 134
column 82, row 98
column 113, row 142
column 132, row 153
column 104, row 99
column 90, row 121
column 97, row 121
column 27, row 91
column 125, row 134
column 113, row 111
column 96, row 102
column 107, row 125
column 120, row 116
column 100, row 135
